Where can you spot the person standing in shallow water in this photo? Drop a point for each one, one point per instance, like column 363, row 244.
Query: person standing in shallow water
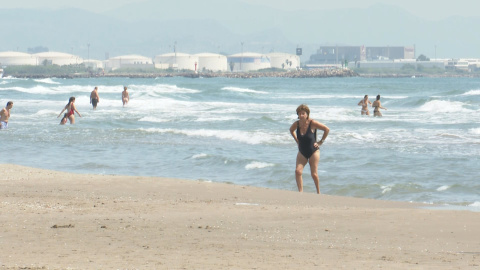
column 377, row 105
column 364, row 103
column 5, row 115
column 70, row 108
column 304, row 131
column 94, row 98
column 125, row 96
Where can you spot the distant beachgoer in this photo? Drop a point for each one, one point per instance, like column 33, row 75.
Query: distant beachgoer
column 94, row 98
column 125, row 96
column 364, row 103
column 304, row 131
column 64, row 119
column 70, row 108
column 377, row 105
column 5, row 115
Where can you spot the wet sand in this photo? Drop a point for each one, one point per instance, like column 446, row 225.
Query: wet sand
column 57, row 220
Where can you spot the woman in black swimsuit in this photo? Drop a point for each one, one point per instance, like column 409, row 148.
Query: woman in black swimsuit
column 304, row 131
column 377, row 105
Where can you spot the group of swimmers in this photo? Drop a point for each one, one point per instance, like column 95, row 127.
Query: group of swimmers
column 376, row 104
column 94, row 99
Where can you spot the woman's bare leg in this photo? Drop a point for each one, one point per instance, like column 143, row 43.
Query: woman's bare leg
column 301, row 162
column 313, row 161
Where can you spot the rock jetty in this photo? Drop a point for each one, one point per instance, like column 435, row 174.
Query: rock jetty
column 314, row 73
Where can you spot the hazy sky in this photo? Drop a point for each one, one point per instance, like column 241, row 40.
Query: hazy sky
column 428, row 9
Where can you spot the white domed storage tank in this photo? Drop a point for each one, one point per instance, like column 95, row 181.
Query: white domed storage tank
column 177, row 61
column 128, row 61
column 17, row 59
column 211, row 62
column 284, row 60
column 58, row 58
column 248, row 61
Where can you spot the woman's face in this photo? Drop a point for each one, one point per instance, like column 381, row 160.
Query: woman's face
column 302, row 115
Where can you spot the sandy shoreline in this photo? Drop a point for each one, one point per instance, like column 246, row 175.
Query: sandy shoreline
column 57, row 220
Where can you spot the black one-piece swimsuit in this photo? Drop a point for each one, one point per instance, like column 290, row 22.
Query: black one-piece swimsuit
column 306, row 141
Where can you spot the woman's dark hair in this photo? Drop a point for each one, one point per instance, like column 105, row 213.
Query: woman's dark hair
column 70, row 100
column 378, row 97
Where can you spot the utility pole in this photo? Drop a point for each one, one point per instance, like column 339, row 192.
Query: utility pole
column 241, row 59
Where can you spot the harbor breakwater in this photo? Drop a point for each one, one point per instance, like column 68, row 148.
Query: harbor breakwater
column 316, row 73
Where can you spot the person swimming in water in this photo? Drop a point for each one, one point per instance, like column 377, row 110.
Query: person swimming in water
column 377, row 105
column 70, row 108
column 364, row 103
column 304, row 131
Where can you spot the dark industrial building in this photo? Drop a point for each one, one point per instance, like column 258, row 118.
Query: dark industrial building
column 331, row 55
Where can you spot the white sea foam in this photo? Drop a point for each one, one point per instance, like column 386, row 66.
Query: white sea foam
column 336, row 96
column 202, row 155
column 443, row 188
column 472, row 93
column 475, row 204
column 47, row 81
column 435, row 106
column 243, row 90
column 256, row 137
column 475, row 131
column 153, row 119
column 386, row 189
column 46, row 112
column 219, row 119
column 258, row 165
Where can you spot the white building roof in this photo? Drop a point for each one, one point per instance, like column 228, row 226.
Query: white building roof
column 130, row 56
column 55, row 55
column 14, row 54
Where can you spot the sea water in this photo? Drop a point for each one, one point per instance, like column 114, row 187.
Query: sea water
column 424, row 149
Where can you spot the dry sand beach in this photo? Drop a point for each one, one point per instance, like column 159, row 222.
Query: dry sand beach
column 57, row 220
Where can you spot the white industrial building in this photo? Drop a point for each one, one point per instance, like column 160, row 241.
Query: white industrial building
column 17, row 59
column 57, row 58
column 284, row 60
column 211, row 62
column 94, row 64
column 248, row 61
column 128, row 61
column 177, row 61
